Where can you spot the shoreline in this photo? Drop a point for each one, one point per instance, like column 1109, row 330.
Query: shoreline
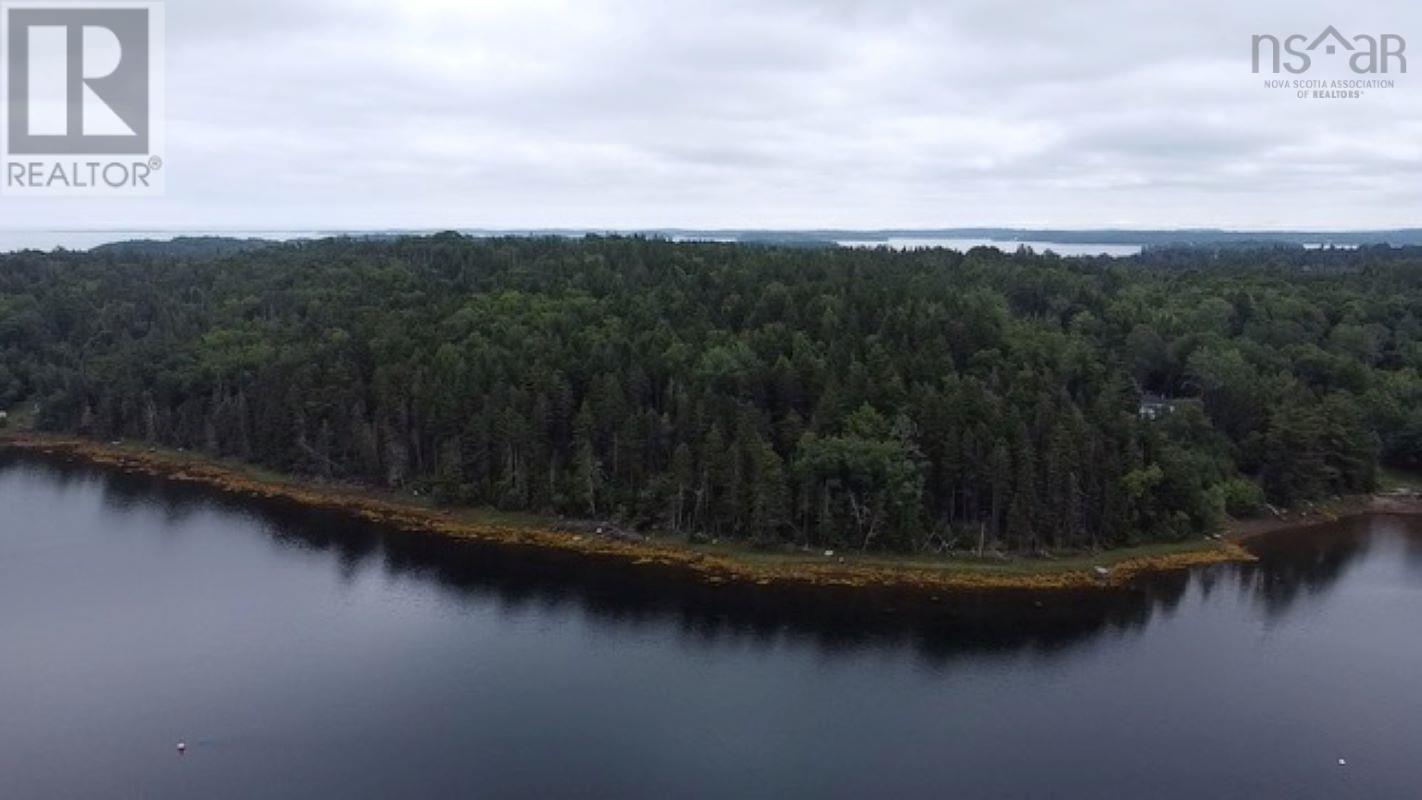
column 709, row 563
column 1404, row 504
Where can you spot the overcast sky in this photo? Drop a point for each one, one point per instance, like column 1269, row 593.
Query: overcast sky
column 647, row 113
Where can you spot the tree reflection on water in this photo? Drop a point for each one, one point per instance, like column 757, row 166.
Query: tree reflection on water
column 610, row 593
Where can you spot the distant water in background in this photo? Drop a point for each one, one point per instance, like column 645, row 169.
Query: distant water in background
column 13, row 241
column 1005, row 245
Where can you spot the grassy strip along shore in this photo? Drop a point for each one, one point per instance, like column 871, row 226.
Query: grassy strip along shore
column 713, row 563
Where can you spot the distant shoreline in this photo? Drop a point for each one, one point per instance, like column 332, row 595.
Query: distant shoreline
column 711, row 563
column 1110, row 242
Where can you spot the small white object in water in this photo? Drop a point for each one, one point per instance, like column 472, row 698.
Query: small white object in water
column 1342, row 762
column 182, row 747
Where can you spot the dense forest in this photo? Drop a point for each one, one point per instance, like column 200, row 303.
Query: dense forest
column 906, row 401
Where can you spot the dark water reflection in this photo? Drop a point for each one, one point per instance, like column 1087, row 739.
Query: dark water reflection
column 613, row 594
column 309, row 654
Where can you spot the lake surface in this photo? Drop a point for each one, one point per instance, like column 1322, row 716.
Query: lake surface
column 303, row 654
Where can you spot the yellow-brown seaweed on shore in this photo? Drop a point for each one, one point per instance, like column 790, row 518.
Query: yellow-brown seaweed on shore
column 713, row 566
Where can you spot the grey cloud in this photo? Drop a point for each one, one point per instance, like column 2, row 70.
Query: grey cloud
column 629, row 113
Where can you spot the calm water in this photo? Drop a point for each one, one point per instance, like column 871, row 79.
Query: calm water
column 300, row 654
